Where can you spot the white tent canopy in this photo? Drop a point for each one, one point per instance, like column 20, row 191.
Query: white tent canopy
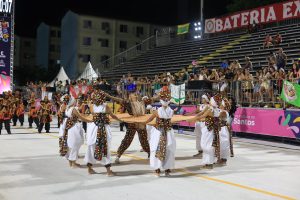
column 61, row 76
column 88, row 73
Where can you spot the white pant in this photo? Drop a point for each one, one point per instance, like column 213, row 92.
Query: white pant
column 224, row 143
column 169, row 162
column 198, row 134
column 72, row 154
column 206, row 144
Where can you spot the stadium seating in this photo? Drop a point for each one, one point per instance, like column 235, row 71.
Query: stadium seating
column 210, row 52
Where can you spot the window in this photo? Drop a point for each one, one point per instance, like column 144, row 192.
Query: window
column 86, row 58
column 105, row 26
column 138, row 46
column 52, row 48
column 87, row 41
column 27, row 43
column 104, row 58
column 104, row 42
column 58, row 48
column 139, row 31
column 53, row 33
column 58, row 34
column 123, row 45
column 87, row 24
column 123, row 28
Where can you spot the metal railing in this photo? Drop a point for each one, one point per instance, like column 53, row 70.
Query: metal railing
column 252, row 93
column 126, row 55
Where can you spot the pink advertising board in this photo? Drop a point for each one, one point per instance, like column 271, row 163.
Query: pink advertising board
column 273, row 122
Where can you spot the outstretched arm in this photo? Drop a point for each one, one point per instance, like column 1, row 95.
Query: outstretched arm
column 200, row 116
column 84, row 118
column 108, row 110
column 153, row 116
column 119, row 100
column 192, row 113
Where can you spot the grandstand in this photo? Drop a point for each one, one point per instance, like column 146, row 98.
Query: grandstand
column 210, row 52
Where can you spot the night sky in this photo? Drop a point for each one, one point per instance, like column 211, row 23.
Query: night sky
column 30, row 13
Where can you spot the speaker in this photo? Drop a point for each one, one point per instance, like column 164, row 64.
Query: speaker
column 199, row 85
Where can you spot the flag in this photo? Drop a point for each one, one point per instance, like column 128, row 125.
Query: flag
column 182, row 29
column 177, row 93
column 290, row 93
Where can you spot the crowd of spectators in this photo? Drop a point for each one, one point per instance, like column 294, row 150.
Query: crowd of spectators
column 243, row 80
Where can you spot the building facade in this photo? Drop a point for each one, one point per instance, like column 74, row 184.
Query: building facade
column 88, row 38
column 47, row 46
column 24, row 51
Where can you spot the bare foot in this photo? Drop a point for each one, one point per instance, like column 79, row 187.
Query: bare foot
column 75, row 165
column 91, row 171
column 110, row 173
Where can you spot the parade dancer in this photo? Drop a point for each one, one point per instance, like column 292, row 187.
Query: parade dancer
column 5, row 113
column 19, row 111
column 98, row 133
column 71, row 139
column 45, row 115
column 83, row 109
column 61, row 115
column 162, row 137
column 33, row 113
column 225, row 145
column 61, row 111
column 135, row 108
column 199, row 124
column 210, row 141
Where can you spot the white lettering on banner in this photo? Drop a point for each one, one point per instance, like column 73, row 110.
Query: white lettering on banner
column 297, row 11
column 262, row 15
column 245, row 19
column 287, row 10
column 5, row 6
column 227, row 24
column 244, row 122
column 271, row 15
column 219, row 25
column 235, row 18
column 254, row 17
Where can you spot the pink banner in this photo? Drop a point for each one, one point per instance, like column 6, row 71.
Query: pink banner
column 273, row 122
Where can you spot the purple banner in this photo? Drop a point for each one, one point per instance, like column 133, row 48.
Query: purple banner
column 5, row 52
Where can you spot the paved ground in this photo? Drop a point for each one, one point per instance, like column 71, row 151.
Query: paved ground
column 30, row 168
